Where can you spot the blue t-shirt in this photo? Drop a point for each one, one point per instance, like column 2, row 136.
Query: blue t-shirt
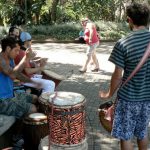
column 81, row 33
column 126, row 54
column 6, row 84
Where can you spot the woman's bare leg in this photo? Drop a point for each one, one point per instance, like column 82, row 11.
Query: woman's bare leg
column 84, row 68
column 95, row 60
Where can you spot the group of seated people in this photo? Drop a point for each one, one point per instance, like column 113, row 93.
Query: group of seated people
column 19, row 61
column 35, row 65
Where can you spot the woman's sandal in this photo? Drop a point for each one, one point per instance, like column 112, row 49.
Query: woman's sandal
column 95, row 70
column 82, row 71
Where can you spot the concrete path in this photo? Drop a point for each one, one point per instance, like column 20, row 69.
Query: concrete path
column 66, row 59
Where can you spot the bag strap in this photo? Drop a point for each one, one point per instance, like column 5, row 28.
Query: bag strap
column 139, row 65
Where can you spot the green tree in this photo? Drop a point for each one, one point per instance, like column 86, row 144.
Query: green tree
column 60, row 11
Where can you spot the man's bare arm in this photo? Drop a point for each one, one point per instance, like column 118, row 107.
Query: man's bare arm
column 114, row 84
column 6, row 69
column 21, row 65
column 13, row 74
column 16, row 71
column 33, row 70
column 22, row 77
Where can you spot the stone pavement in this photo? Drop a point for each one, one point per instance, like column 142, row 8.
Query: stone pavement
column 66, row 59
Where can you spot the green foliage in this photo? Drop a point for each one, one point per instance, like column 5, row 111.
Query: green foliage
column 70, row 31
column 61, row 11
column 112, row 30
column 3, row 31
column 58, row 32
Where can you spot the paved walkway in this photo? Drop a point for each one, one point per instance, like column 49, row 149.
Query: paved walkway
column 66, row 59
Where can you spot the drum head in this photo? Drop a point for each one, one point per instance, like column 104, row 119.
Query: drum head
column 37, row 116
column 63, row 99
column 45, row 97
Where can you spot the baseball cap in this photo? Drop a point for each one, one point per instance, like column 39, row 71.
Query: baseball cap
column 25, row 36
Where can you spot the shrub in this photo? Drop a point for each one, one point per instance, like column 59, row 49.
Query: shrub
column 112, row 30
column 3, row 31
column 70, row 31
column 59, row 32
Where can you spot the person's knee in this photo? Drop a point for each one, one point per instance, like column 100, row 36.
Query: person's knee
column 51, row 84
column 33, row 109
column 34, row 98
column 89, row 55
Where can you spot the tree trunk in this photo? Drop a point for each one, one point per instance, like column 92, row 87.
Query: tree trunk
column 53, row 10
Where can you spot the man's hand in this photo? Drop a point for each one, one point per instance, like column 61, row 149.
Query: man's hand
column 114, row 84
column 43, row 62
column 30, row 54
column 33, row 54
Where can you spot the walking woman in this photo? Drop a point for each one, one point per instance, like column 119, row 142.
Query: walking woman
column 92, row 41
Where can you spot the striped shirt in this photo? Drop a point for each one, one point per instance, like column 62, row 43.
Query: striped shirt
column 126, row 54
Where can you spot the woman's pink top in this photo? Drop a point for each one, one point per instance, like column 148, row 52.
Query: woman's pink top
column 95, row 38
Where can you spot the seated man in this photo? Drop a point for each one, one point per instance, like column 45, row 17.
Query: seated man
column 14, row 31
column 47, row 85
column 21, row 104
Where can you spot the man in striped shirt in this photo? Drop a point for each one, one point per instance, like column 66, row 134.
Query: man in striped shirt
column 132, row 112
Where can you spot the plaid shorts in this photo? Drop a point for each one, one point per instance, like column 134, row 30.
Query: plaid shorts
column 18, row 106
column 131, row 119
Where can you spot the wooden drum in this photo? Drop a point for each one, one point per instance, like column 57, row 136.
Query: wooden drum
column 66, row 119
column 44, row 145
column 43, row 102
column 47, row 74
column 35, row 128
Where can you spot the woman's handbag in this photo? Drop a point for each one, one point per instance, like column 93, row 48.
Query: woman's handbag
column 106, row 110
